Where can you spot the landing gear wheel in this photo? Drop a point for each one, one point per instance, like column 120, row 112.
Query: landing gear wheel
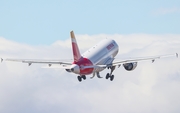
column 79, row 78
column 107, row 76
column 84, row 77
column 112, row 77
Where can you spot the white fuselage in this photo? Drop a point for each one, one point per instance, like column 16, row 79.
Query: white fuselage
column 102, row 53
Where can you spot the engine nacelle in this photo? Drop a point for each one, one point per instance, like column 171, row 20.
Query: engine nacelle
column 75, row 69
column 130, row 66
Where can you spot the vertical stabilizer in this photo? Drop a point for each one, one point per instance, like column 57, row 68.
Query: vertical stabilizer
column 75, row 48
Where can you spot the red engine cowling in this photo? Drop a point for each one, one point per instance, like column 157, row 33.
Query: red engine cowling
column 130, row 66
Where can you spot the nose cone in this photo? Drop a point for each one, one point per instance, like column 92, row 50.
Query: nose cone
column 75, row 69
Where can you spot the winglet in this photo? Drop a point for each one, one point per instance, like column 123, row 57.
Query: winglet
column 76, row 53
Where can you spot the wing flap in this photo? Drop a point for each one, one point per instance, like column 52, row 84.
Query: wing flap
column 58, row 67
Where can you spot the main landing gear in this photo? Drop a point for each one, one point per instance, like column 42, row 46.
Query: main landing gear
column 81, row 77
column 109, row 75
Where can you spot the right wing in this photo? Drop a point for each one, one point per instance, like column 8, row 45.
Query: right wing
column 117, row 62
column 152, row 58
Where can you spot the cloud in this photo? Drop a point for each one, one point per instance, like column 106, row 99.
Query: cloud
column 151, row 87
column 165, row 11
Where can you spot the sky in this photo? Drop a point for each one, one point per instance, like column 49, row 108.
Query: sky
column 40, row 30
column 42, row 22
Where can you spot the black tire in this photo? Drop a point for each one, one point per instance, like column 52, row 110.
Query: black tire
column 112, row 78
column 79, row 78
column 107, row 76
column 84, row 77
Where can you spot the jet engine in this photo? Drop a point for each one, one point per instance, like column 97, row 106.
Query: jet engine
column 130, row 66
column 75, row 69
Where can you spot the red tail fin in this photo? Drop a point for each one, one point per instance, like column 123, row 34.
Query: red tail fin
column 75, row 48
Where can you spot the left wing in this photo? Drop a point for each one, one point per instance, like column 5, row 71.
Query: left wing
column 63, row 63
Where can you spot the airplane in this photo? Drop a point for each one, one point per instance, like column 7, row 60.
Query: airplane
column 94, row 60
